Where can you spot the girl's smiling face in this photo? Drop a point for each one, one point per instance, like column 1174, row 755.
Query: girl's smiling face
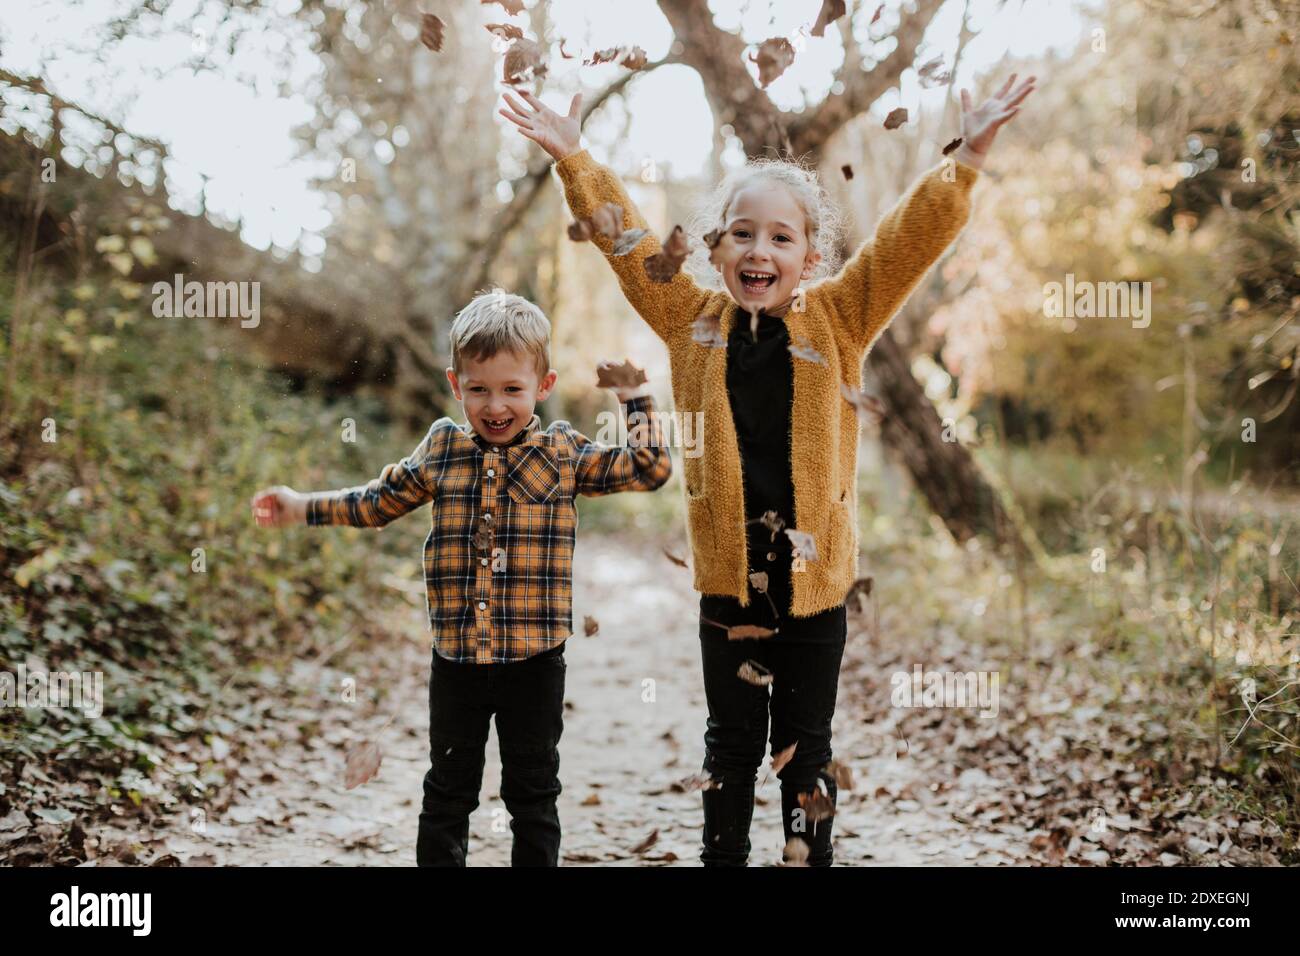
column 764, row 252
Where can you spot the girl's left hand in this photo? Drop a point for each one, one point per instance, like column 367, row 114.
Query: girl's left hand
column 979, row 126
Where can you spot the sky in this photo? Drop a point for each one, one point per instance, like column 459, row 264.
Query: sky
column 233, row 128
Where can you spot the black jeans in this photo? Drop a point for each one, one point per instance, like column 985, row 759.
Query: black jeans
column 528, row 699
column 804, row 659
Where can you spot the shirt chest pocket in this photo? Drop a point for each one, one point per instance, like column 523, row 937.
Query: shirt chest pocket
column 534, row 477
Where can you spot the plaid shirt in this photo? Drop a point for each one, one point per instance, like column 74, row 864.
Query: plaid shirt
column 498, row 561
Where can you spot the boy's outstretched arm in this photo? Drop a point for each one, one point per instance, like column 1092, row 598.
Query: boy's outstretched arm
column 400, row 488
column 871, row 286
column 644, row 463
column 668, row 307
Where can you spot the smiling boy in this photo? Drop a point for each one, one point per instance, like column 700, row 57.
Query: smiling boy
column 497, row 566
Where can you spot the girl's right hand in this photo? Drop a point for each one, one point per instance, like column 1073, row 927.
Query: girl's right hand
column 279, row 507
column 558, row 135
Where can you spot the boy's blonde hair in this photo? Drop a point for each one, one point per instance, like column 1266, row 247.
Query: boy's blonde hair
column 824, row 226
column 499, row 321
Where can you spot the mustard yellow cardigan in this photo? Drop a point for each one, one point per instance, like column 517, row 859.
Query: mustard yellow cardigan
column 843, row 316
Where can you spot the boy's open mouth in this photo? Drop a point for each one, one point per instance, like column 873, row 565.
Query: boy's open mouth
column 756, row 281
column 497, row 425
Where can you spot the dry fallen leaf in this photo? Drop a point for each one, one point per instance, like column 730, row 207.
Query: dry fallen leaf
column 779, row 760
column 621, row 375
column 512, row 7
column 951, row 146
column 752, row 672
column 700, row 781
column 896, row 118
column 803, row 543
column 861, row 589
column 932, row 74
column 506, row 31
column 707, row 330
column 759, row 581
column 647, row 843
column 774, row 57
column 831, row 11
column 363, row 762
column 607, row 219
column 796, row 853
column 841, row 773
column 563, row 55
column 580, row 230
column 627, row 241
column 592, row 800
column 632, row 57
column 674, row 559
column 817, row 804
column 524, row 62
column 663, row 265
column 847, row 170
column 431, row 31
column 589, row 625
column 869, row 408
column 802, row 348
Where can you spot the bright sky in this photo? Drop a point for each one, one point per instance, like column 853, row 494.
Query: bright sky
column 234, row 128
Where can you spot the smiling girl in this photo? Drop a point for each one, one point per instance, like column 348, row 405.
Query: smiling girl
column 764, row 336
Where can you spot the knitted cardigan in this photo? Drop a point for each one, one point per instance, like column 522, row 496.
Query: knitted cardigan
column 841, row 318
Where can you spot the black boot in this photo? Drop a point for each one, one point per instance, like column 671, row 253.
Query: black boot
column 799, row 822
column 727, row 813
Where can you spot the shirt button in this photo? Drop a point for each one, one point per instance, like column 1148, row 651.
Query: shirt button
column 483, row 561
column 482, row 605
column 771, row 555
column 492, row 472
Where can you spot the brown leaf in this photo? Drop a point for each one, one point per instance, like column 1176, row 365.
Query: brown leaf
column 817, row 804
column 932, row 73
column 831, row 11
column 773, row 522
column 745, row 632
column 622, row 375
column 580, row 230
column 861, row 589
column 663, row 265
column 951, row 146
column 506, row 31
column 524, row 62
column 752, row 672
column 607, row 219
column 563, row 55
column 774, row 57
column 674, row 559
column 512, row 7
column 592, row 800
column 876, row 16
column 589, row 625
column 712, row 238
column 779, row 760
column 707, row 330
column 632, row 57
column 700, row 781
column 803, row 542
column 627, row 241
column 363, row 762
column 431, row 31
column 869, row 408
column 802, row 348
column 759, row 580
column 847, row 170
column 841, row 773
column 796, row 853
column 896, row 118
column 647, row 843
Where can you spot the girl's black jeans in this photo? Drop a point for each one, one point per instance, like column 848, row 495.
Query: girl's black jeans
column 804, row 660
column 527, row 698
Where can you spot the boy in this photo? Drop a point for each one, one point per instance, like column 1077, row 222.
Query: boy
column 497, row 566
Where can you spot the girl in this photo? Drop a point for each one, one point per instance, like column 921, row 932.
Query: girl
column 771, row 359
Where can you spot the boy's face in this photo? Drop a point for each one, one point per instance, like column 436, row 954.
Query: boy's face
column 499, row 393
column 765, row 234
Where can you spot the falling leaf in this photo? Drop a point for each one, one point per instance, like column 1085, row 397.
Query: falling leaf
column 817, row 804
column 524, row 62
column 627, row 241
column 802, row 348
column 773, row 522
column 896, row 118
column 593, row 800
column 841, row 773
column 869, row 408
column 759, row 580
column 712, row 239
column 674, row 559
column 663, row 265
column 796, row 852
column 861, row 590
column 707, row 330
column 589, row 625
column 876, row 16
column 431, row 31
column 951, row 146
column 932, row 73
column 362, row 764
column 803, row 543
column 512, row 7
column 622, row 375
column 700, row 781
column 632, row 57
column 563, row 55
column 746, row 632
column 779, row 760
column 607, row 219
column 831, row 11
column 580, row 231
column 774, row 57
column 506, row 31
column 752, row 672
column 647, row 843
column 847, row 170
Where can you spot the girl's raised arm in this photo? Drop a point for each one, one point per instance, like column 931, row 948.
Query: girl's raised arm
column 669, row 307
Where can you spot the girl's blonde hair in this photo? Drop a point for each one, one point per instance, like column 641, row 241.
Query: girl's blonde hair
column 824, row 226
column 500, row 321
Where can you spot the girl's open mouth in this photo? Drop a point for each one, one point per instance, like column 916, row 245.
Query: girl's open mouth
column 756, row 281
column 497, row 425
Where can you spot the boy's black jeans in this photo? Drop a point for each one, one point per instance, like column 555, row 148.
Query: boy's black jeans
column 804, row 658
column 527, row 698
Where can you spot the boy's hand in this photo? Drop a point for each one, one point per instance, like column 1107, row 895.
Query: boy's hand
column 979, row 126
column 625, row 379
column 558, row 135
column 279, row 507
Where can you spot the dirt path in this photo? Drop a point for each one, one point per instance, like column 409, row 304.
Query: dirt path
column 620, row 755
